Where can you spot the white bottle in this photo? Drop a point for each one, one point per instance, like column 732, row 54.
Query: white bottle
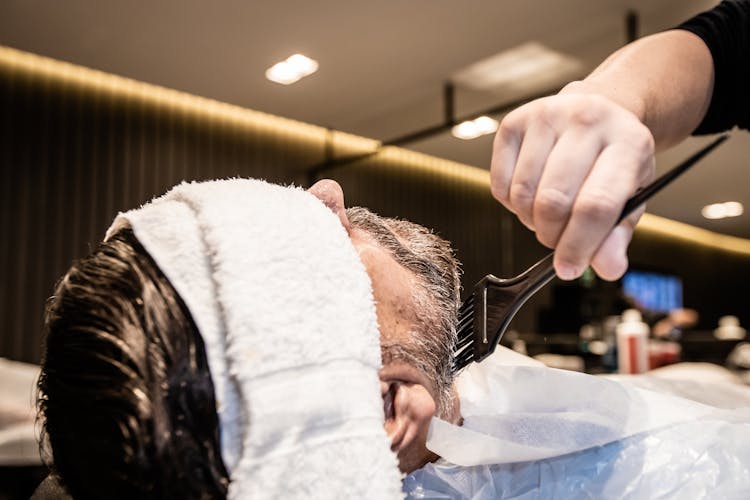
column 729, row 329
column 632, row 343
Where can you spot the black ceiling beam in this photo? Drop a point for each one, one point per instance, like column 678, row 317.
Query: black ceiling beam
column 444, row 127
column 632, row 26
column 448, row 92
column 449, row 100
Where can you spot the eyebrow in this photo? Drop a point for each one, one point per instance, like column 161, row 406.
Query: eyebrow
column 408, row 353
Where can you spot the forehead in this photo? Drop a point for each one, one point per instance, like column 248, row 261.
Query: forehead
column 394, row 287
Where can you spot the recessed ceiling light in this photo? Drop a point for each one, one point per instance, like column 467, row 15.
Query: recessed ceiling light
column 521, row 64
column 722, row 210
column 471, row 129
column 294, row 68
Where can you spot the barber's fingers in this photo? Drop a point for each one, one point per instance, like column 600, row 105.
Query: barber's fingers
column 538, row 141
column 567, row 167
column 505, row 150
column 611, row 259
column 618, row 172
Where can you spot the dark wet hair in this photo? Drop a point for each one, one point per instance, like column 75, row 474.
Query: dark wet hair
column 125, row 395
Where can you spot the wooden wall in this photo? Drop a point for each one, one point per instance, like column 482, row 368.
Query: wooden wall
column 78, row 146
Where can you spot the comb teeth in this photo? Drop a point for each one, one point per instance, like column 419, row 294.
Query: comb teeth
column 465, row 314
column 462, row 359
column 464, row 351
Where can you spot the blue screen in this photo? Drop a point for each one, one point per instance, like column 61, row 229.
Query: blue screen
column 653, row 291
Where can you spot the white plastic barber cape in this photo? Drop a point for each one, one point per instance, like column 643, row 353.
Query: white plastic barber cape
column 532, row 432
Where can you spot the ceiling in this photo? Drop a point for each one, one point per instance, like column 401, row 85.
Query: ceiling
column 382, row 64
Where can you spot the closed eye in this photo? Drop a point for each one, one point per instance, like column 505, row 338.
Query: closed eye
column 388, row 399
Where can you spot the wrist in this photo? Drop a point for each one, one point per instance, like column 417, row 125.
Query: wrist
column 629, row 101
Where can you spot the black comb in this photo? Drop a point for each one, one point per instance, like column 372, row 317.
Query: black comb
column 486, row 314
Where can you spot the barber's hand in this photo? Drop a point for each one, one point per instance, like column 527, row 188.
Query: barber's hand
column 566, row 165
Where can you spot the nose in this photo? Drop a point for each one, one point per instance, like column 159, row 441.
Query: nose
column 329, row 192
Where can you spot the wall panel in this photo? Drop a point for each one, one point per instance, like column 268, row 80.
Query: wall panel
column 77, row 146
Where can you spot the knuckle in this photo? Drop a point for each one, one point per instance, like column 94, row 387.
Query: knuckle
column 587, row 112
column 545, row 108
column 547, row 238
column 521, row 194
column 596, row 207
column 499, row 191
column 507, row 133
column 643, row 141
column 539, row 113
column 552, row 204
column 510, row 125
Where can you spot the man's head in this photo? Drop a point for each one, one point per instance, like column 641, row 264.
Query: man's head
column 126, row 395
column 415, row 282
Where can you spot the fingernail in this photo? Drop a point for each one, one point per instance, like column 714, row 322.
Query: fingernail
column 567, row 271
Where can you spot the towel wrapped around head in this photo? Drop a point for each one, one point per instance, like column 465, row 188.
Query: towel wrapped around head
column 285, row 310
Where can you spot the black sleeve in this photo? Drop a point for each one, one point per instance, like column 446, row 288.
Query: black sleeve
column 726, row 31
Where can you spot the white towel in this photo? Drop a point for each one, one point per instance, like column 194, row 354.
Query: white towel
column 285, row 308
